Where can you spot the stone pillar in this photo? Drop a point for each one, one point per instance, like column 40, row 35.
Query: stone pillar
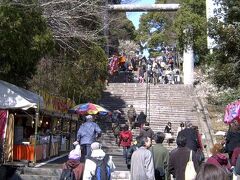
column 188, row 57
column 188, row 65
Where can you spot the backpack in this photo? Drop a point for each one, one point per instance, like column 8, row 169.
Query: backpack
column 67, row 174
column 102, row 171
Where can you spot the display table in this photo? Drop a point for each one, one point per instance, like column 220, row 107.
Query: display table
column 26, row 152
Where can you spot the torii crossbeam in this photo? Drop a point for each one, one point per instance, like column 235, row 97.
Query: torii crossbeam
column 138, row 7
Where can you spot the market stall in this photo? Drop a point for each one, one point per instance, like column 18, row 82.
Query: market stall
column 33, row 127
column 15, row 101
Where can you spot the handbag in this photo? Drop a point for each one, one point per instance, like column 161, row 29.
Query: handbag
column 190, row 173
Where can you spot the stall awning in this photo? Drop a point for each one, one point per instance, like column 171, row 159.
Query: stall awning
column 14, row 97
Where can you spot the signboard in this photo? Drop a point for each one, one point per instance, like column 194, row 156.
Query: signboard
column 56, row 104
column 214, row 9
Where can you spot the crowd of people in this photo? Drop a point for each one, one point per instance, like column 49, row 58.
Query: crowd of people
column 146, row 156
column 163, row 69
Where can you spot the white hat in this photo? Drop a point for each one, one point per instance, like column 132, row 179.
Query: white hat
column 95, row 146
column 89, row 117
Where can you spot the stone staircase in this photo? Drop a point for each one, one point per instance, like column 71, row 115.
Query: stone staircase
column 168, row 103
column 174, row 103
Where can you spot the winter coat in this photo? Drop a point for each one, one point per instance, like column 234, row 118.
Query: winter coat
column 141, row 118
column 125, row 142
column 88, row 132
column 131, row 113
column 219, row 160
column 76, row 166
column 178, row 160
column 147, row 132
column 192, row 138
column 168, row 129
column 160, row 157
column 142, row 165
column 235, row 155
column 232, row 141
column 130, row 152
column 90, row 166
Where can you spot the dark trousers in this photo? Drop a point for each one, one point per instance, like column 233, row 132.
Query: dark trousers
column 125, row 149
column 85, row 151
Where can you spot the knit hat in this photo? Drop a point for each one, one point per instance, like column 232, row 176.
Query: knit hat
column 75, row 154
column 95, row 146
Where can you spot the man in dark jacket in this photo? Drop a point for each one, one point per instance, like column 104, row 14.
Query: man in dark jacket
column 147, row 131
column 191, row 136
column 141, row 119
column 160, row 157
column 179, row 158
column 130, row 151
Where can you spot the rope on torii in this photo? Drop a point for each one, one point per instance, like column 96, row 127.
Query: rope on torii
column 143, row 7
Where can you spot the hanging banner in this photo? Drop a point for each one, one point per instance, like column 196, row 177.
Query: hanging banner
column 3, row 123
column 56, row 104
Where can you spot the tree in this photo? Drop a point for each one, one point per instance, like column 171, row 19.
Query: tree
column 156, row 28
column 128, row 46
column 69, row 20
column 226, row 55
column 119, row 27
column 79, row 75
column 24, row 39
column 192, row 16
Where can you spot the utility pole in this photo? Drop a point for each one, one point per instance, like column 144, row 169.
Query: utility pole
column 149, row 103
column 106, row 27
column 146, row 107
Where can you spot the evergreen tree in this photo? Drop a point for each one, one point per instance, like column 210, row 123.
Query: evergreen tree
column 24, row 39
column 226, row 55
column 156, row 28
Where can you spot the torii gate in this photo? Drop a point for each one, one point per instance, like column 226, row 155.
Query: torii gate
column 188, row 58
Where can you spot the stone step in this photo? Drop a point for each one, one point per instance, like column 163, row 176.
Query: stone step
column 38, row 177
column 116, row 175
column 174, row 103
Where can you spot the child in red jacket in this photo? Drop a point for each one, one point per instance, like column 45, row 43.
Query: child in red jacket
column 125, row 140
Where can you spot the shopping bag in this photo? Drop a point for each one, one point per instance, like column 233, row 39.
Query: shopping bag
column 190, row 173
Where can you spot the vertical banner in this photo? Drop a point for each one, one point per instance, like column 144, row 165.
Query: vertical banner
column 3, row 123
column 8, row 149
column 214, row 9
